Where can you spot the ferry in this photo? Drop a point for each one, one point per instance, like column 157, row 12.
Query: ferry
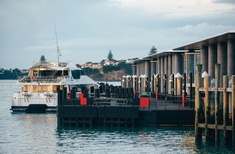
column 38, row 92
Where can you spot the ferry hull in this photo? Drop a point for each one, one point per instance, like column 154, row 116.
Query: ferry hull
column 34, row 103
column 34, row 108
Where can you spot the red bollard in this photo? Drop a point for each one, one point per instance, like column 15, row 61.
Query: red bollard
column 83, row 101
column 144, row 102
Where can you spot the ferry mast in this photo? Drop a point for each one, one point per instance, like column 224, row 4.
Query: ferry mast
column 57, row 50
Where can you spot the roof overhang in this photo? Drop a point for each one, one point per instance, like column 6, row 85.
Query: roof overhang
column 153, row 57
column 205, row 42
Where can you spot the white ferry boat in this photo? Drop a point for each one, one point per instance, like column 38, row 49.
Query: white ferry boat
column 39, row 89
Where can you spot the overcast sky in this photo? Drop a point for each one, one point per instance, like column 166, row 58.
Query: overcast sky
column 88, row 29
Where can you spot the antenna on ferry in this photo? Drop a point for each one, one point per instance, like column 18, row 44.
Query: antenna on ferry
column 58, row 50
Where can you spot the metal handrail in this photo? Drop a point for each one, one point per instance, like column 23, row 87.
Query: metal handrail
column 28, row 79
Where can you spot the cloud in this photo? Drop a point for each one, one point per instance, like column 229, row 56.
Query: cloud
column 203, row 29
column 182, row 8
column 224, row 1
column 87, row 30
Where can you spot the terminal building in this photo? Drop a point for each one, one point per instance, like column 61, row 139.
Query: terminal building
column 170, row 72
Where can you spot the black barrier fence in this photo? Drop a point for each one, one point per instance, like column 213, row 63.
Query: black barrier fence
column 117, row 93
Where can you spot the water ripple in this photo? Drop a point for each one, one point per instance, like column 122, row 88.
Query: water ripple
column 38, row 133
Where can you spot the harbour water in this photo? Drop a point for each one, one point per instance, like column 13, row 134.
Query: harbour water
column 38, row 133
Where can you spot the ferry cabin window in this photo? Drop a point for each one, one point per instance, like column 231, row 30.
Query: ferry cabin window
column 76, row 74
column 51, row 72
column 35, row 72
column 66, row 73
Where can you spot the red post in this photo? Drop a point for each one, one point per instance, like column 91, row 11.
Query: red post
column 183, row 100
column 68, row 95
column 157, row 95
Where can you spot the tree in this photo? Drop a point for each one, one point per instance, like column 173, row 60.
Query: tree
column 102, row 62
column 78, row 66
column 153, row 50
column 42, row 59
column 110, row 55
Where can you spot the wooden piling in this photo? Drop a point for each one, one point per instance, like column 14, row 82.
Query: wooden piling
column 233, row 110
column 225, row 108
column 198, row 133
column 217, row 83
column 215, row 121
column 207, row 105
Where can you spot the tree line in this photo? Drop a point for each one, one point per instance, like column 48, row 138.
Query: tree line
column 11, row 74
column 96, row 74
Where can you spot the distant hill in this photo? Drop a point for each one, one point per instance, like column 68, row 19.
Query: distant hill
column 11, row 74
column 110, row 72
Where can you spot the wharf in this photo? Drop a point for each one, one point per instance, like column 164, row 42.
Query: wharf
column 157, row 113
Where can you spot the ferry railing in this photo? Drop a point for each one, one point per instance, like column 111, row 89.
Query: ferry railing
column 111, row 101
column 28, row 79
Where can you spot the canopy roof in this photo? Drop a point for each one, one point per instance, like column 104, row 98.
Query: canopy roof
column 205, row 42
column 56, row 66
column 84, row 80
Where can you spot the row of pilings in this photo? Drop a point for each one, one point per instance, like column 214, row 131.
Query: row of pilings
column 104, row 92
column 174, row 87
column 214, row 106
column 130, row 92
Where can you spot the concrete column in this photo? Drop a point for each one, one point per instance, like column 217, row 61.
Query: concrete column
column 134, row 69
column 152, row 68
column 212, row 60
column 197, row 60
column 159, row 72
column 231, row 58
column 162, row 73
column 147, row 68
column 142, row 68
column 179, row 63
column 190, row 64
column 169, row 72
column 166, row 71
column 204, row 58
column 165, row 64
column 159, row 66
column 222, row 59
column 138, row 69
column 148, row 74
column 169, row 65
column 173, row 63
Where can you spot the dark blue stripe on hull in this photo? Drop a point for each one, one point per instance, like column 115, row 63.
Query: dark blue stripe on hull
column 34, row 108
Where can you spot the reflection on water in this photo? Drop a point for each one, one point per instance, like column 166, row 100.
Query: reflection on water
column 130, row 140
column 38, row 133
